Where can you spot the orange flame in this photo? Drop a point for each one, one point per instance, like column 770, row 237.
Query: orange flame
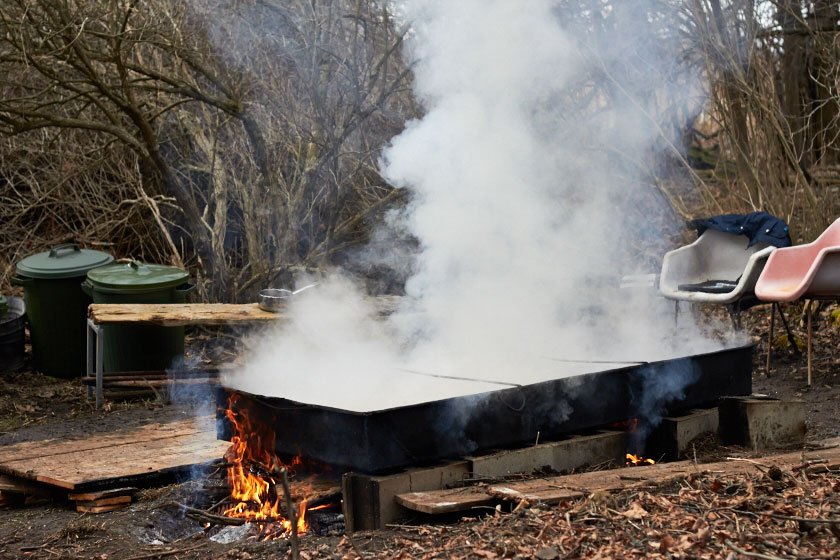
column 637, row 460
column 254, row 475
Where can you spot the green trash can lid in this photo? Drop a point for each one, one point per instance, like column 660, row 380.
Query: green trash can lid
column 62, row 261
column 137, row 276
column 4, row 305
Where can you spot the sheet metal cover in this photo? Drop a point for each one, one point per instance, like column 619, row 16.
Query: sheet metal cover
column 402, row 387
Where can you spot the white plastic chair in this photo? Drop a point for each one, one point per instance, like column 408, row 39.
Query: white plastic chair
column 717, row 268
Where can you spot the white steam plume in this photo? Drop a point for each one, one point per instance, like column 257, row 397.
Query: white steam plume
column 523, row 182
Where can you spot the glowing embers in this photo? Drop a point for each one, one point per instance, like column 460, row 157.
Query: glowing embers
column 635, row 441
column 637, row 461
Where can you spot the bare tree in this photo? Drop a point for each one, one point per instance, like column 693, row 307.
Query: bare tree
column 774, row 101
column 253, row 126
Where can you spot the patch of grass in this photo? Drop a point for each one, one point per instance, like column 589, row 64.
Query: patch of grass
column 81, row 528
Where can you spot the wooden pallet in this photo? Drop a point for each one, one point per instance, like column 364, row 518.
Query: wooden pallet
column 83, row 465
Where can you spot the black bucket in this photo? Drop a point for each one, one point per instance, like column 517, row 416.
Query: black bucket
column 12, row 336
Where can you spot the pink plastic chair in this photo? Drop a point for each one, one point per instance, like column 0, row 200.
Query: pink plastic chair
column 810, row 271
column 803, row 271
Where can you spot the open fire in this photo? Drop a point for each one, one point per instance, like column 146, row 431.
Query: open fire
column 260, row 487
column 630, row 427
column 636, row 460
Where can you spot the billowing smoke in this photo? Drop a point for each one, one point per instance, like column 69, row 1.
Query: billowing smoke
column 529, row 175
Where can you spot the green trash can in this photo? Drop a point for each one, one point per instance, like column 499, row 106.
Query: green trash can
column 12, row 335
column 140, row 347
column 56, row 306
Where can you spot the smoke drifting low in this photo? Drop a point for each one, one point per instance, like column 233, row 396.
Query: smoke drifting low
column 527, row 176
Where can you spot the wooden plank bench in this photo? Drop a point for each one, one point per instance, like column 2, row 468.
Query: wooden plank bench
column 178, row 315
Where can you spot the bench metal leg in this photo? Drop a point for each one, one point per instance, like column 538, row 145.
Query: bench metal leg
column 95, row 357
column 89, row 369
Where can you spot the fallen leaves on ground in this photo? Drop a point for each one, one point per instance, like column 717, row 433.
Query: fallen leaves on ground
column 702, row 516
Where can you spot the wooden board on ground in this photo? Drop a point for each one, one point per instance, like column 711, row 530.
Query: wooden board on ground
column 102, row 494
column 13, row 485
column 116, row 500
column 533, row 491
column 117, row 458
column 100, row 509
column 445, row 501
column 558, row 488
column 103, row 439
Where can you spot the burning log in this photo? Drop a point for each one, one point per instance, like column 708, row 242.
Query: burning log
column 260, row 488
column 201, row 515
column 284, row 476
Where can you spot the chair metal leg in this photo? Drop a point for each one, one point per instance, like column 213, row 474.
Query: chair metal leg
column 791, row 338
column 808, row 311
column 770, row 336
column 731, row 310
column 735, row 315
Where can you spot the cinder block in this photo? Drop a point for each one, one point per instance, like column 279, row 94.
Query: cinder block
column 558, row 455
column 762, row 423
column 674, row 434
column 368, row 501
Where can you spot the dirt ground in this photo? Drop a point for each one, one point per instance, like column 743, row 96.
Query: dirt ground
column 704, row 517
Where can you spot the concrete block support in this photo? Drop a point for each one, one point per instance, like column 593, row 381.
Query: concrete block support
column 674, row 434
column 368, row 501
column 560, row 456
column 761, row 422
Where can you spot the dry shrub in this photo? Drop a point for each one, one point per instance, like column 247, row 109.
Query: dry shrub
column 236, row 138
column 59, row 186
column 774, row 119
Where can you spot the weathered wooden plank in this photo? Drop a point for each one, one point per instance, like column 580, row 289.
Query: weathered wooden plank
column 114, row 500
column 183, row 314
column 616, row 479
column 102, row 494
column 71, row 470
column 159, row 382
column 194, row 373
column 128, row 454
column 146, row 432
column 559, row 488
column 15, row 485
column 537, row 491
column 100, row 509
column 446, row 501
column 180, row 314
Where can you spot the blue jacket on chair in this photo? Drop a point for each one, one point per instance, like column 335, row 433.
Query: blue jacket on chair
column 759, row 227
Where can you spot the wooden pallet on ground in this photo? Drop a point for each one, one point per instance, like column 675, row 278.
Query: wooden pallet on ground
column 115, row 461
